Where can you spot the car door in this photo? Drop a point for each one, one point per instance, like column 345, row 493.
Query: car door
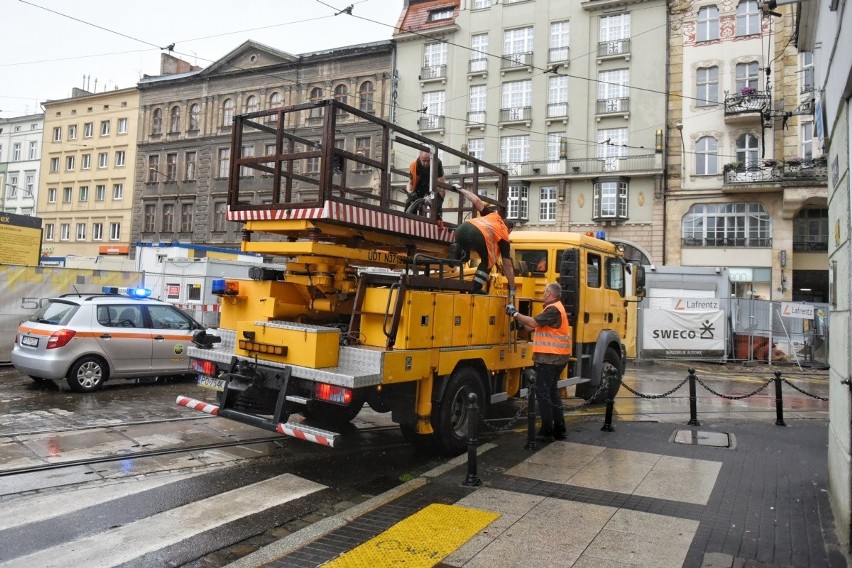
column 124, row 338
column 171, row 331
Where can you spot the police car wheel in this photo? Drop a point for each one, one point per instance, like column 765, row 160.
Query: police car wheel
column 87, row 374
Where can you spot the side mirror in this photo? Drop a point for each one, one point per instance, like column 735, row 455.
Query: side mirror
column 640, row 281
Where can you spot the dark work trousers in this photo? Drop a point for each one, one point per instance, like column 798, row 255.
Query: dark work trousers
column 469, row 238
column 548, row 397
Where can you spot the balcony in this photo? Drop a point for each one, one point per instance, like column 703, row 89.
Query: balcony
column 514, row 61
column 557, row 112
column 613, row 49
column 433, row 73
column 515, row 115
column 476, row 119
column 747, row 105
column 431, row 123
column 613, row 106
column 819, row 245
column 727, row 242
column 769, row 175
column 559, row 55
column 477, row 67
column 579, row 167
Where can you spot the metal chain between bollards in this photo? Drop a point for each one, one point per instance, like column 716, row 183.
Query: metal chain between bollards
column 653, row 396
column 803, row 392
column 732, row 397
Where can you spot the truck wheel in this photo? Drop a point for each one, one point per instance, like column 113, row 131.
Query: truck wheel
column 450, row 418
column 331, row 415
column 87, row 374
column 610, row 368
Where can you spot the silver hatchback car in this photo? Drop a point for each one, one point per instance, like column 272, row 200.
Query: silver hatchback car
column 90, row 338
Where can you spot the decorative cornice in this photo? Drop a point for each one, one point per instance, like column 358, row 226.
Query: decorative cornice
column 592, row 5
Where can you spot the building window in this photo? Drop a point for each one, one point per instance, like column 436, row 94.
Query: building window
column 171, row 166
column 105, row 127
column 252, row 104
column 807, row 72
column 49, row 232
column 153, row 168
column 194, row 117
column 748, row 18
column 97, row 231
column 707, row 26
column 117, row 191
column 363, row 147
column 558, row 42
column 476, row 114
column 86, row 162
column 441, row 14
column 100, row 192
column 81, row 231
column 341, row 95
column 610, row 200
column 613, row 31
column 316, row 96
column 54, row 165
column 72, row 132
column 30, row 187
column 807, row 137
column 476, row 147
column 157, row 122
column 119, row 158
column 174, row 119
column 747, row 147
column 224, row 162
column 547, row 204
column 518, row 46
column 478, row 53
column 84, row 194
column 365, row 97
column 51, row 195
column 481, row 4
column 612, row 146
column 65, row 232
column 16, row 151
column 516, row 99
column 150, row 215
column 220, row 216
column 246, row 152
column 748, row 75
column 69, row 163
column 88, row 130
column 613, row 87
column 186, row 217
column 434, row 61
column 122, row 126
column 57, row 134
column 514, row 153
column 227, row 112
column 707, row 156
column 190, row 159
column 557, row 96
column 434, row 103
column 33, row 154
column 168, row 218
column 810, row 231
column 103, row 160
column 12, row 186
column 554, row 151
column 727, row 225
column 518, row 201
column 707, row 86
column 115, row 231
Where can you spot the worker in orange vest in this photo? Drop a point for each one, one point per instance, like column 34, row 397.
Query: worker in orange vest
column 552, row 347
column 487, row 236
column 418, row 183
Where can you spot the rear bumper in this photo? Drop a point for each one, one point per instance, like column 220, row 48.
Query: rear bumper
column 38, row 364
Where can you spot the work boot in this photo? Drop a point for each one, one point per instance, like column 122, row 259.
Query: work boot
column 545, row 435
column 559, row 432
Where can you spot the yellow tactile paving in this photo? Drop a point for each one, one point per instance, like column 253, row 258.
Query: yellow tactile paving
column 423, row 539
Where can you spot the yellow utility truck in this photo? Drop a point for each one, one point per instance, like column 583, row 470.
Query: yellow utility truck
column 369, row 309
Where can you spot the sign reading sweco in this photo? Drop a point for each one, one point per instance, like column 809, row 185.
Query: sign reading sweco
column 687, row 334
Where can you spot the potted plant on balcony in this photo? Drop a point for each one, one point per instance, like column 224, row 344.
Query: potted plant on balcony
column 793, row 164
column 770, row 163
column 733, row 166
column 748, row 91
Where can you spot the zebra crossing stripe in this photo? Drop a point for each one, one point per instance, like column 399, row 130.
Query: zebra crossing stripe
column 421, row 540
column 123, row 544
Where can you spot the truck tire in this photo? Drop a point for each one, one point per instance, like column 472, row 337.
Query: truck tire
column 451, row 415
column 87, row 374
column 611, row 367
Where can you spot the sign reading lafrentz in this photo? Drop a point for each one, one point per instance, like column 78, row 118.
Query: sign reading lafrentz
column 801, row 311
column 669, row 333
column 695, row 304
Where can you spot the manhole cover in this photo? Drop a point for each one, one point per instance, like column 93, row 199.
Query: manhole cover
column 697, row 438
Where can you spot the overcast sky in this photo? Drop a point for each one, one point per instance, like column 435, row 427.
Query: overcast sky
column 48, row 46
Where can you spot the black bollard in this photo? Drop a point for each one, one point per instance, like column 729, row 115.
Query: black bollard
column 610, row 403
column 531, row 443
column 779, row 402
column 693, row 401
column 472, row 480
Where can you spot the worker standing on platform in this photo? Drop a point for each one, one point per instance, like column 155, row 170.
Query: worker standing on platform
column 551, row 352
column 488, row 236
column 418, row 184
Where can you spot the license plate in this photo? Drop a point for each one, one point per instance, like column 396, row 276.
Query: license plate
column 211, row 383
column 29, row 341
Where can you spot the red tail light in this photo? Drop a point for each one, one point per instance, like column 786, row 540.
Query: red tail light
column 60, row 338
column 204, row 367
column 331, row 393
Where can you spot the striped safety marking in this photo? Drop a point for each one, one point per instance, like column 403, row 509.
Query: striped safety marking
column 197, row 405
column 354, row 215
column 422, row 540
column 301, row 435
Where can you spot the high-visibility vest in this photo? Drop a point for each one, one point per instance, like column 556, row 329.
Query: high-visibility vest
column 494, row 230
column 555, row 341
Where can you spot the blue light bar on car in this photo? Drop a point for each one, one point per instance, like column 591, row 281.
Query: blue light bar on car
column 132, row 292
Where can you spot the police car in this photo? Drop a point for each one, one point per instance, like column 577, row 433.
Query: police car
column 87, row 339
